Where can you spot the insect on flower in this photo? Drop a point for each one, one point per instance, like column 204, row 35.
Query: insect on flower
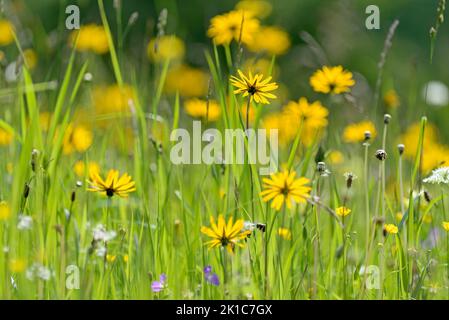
column 113, row 185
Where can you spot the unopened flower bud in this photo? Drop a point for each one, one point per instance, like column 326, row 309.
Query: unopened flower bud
column 381, row 155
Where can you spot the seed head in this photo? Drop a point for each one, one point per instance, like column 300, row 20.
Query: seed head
column 367, row 136
column 387, row 118
column 381, row 155
column 401, row 149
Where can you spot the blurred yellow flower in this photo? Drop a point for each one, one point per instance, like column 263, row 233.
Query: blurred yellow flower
column 44, row 120
column 112, row 98
column 254, row 87
column 207, row 110
column 355, row 132
column 166, row 48
column 91, row 37
column 77, row 138
column 256, row 8
column 5, row 211
column 391, row 99
column 272, row 40
column 30, row 58
column 80, row 168
column 112, row 185
column 335, row 157
column 110, row 258
column 188, row 81
column 5, row 137
column 446, row 225
column 235, row 25
column 17, row 265
column 391, row 228
column 282, row 187
column 287, row 129
column 312, row 115
column 334, row 80
column 285, row 233
column 125, row 258
column 342, row 211
column 6, row 32
column 399, row 216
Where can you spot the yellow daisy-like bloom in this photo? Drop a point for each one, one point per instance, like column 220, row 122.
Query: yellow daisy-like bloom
column 198, row 108
column 76, row 138
column 283, row 187
column 5, row 137
column 80, row 168
column 256, row 8
column 166, row 48
column 336, row 157
column 313, row 115
column 446, row 225
column 285, row 233
column 225, row 235
column 188, row 81
column 391, row 228
column 5, row 211
column 91, row 37
column 6, row 32
column 113, row 185
column 342, row 211
column 334, row 80
column 391, row 99
column 235, row 25
column 17, row 265
column 272, row 40
column 112, row 98
column 355, row 132
column 254, row 87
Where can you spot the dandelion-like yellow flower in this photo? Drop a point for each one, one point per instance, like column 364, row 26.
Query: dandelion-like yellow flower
column 76, row 138
column 313, row 115
column 282, row 187
column 91, row 37
column 187, row 81
column 336, row 157
column 333, row 80
column 391, row 99
column 342, row 211
column 391, row 228
column 446, row 225
column 225, row 235
column 166, row 48
column 287, row 128
column 272, row 40
column 254, row 87
column 113, row 185
column 112, row 98
column 285, row 233
column 198, row 108
column 5, row 137
column 6, row 32
column 5, row 211
column 355, row 132
column 235, row 25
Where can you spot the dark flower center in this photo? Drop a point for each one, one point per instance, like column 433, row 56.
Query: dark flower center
column 332, row 86
column 252, row 90
column 109, row 192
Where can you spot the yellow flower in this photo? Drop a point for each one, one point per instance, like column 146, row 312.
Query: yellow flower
column 334, row 80
column 5, row 137
column 125, row 258
column 17, row 265
column 188, row 81
column 254, row 86
column 197, row 108
column 76, row 138
column 342, row 211
column 256, row 8
column 166, row 48
column 30, row 58
column 112, row 99
column 391, row 99
column 80, row 168
column 285, row 233
column 110, row 258
column 272, row 40
column 225, row 235
column 355, row 132
column 283, row 187
column 6, row 32
column 5, row 211
column 91, row 37
column 390, row 228
column 313, row 115
column 336, row 157
column 113, row 185
column 446, row 225
column 235, row 25
column 287, row 129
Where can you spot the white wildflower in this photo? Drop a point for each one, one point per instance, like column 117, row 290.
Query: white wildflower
column 25, row 222
column 438, row 176
column 101, row 234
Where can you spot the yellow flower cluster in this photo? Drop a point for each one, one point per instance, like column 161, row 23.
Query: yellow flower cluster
column 90, row 37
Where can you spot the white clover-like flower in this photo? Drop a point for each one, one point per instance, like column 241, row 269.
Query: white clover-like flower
column 38, row 271
column 101, row 234
column 25, row 222
column 438, row 176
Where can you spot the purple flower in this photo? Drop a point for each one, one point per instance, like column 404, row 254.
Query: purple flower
column 158, row 286
column 210, row 277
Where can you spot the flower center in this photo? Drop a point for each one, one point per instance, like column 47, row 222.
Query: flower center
column 109, row 192
column 252, row 90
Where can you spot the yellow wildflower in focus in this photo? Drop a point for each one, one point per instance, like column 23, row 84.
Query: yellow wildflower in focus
column 76, row 138
column 30, row 58
column 312, row 115
column 110, row 258
column 446, row 225
column 272, row 40
column 334, row 80
column 112, row 185
column 342, row 211
column 355, row 132
column 166, row 48
column 391, row 228
column 391, row 99
column 17, row 265
column 335, row 157
column 225, row 235
column 240, row 26
column 282, row 187
column 5, row 211
column 5, row 137
column 256, row 8
column 80, row 168
column 254, row 87
column 198, row 108
column 188, row 81
column 112, row 99
column 285, row 233
column 6, row 32
column 91, row 37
